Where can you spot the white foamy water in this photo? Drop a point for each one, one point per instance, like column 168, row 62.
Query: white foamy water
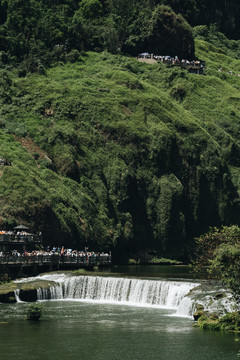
column 16, row 294
column 182, row 297
column 136, row 292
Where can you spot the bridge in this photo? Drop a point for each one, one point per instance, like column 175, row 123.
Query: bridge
column 34, row 264
column 55, row 259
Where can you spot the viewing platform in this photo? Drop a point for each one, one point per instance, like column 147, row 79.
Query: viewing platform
column 193, row 66
column 24, row 252
column 56, row 260
column 34, row 264
column 20, row 239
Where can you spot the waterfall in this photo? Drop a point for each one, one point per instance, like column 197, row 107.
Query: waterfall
column 16, row 294
column 125, row 291
column 182, row 297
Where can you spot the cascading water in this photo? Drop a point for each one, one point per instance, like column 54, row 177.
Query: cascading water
column 16, row 294
column 136, row 292
column 183, row 297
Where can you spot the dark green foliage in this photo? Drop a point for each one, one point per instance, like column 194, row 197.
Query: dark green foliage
column 169, row 34
column 115, row 154
column 178, row 92
column 225, row 14
column 73, row 56
column 36, row 34
column 219, row 40
column 34, row 312
column 218, row 252
column 228, row 322
column 161, row 31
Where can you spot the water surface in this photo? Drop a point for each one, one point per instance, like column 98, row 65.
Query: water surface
column 75, row 330
column 161, row 271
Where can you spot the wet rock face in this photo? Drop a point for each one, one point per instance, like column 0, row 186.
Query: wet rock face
column 198, row 314
column 8, row 297
column 28, row 295
column 7, row 292
column 27, row 291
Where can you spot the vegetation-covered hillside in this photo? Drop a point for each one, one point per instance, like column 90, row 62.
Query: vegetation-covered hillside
column 122, row 155
column 37, row 33
column 109, row 152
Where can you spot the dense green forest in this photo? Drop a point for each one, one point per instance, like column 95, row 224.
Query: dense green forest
column 37, row 33
column 109, row 152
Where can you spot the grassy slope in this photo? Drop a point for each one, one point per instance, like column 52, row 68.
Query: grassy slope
column 133, row 156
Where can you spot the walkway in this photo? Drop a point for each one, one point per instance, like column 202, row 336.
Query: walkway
column 55, row 260
column 193, row 66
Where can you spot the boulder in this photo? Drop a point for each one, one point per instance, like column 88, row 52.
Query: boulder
column 27, row 291
column 8, row 297
column 198, row 314
column 7, row 294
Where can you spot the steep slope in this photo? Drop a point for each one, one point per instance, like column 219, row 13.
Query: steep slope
column 122, row 155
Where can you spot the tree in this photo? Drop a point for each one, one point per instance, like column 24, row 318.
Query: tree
column 218, row 254
column 169, row 34
column 160, row 31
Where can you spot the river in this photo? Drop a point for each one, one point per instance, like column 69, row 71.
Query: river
column 99, row 327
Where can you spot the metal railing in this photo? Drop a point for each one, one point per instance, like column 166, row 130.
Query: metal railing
column 22, row 239
column 56, row 259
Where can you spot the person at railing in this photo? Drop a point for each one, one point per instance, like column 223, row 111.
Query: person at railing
column 68, row 255
column 4, row 232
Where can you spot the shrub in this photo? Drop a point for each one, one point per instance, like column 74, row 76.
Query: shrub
column 133, row 262
column 230, row 321
column 73, row 56
column 34, row 312
column 79, row 272
column 210, row 326
column 178, row 92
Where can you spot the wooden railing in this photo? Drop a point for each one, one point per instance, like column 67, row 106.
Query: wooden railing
column 14, row 239
column 27, row 260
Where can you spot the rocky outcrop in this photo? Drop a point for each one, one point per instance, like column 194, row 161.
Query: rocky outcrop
column 198, row 314
column 7, row 293
column 26, row 291
column 8, row 297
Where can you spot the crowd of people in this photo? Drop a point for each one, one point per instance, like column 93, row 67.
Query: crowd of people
column 170, row 60
column 56, row 251
column 176, row 61
column 10, row 232
column 3, row 232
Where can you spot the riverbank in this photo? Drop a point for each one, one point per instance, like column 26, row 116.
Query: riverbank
column 212, row 321
column 154, row 261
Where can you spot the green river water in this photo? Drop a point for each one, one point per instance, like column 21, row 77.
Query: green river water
column 90, row 330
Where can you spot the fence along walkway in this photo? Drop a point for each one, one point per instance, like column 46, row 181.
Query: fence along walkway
column 56, row 260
